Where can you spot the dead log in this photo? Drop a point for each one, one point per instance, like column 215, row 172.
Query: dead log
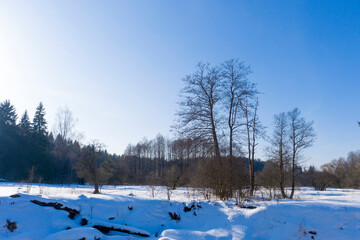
column 248, row 207
column 72, row 212
column 106, row 230
column 15, row 196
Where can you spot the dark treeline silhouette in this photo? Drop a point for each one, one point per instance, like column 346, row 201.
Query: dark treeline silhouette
column 27, row 146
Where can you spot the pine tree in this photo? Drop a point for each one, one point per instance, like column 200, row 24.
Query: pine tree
column 7, row 114
column 25, row 125
column 40, row 145
column 25, row 141
column 9, row 141
column 39, row 122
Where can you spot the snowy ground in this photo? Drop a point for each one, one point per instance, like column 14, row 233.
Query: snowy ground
column 332, row 214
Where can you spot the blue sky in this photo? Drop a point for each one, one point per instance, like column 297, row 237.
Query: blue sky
column 118, row 65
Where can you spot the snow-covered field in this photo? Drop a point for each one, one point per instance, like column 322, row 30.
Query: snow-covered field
column 332, row 214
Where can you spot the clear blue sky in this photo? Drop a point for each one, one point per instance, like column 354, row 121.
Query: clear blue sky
column 118, row 65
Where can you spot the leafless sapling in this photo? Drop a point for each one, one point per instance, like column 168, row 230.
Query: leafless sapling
column 279, row 147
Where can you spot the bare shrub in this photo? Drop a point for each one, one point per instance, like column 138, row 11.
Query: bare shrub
column 10, row 225
column 152, row 179
column 174, row 216
column 30, row 179
column 220, row 176
column 322, row 180
column 269, row 178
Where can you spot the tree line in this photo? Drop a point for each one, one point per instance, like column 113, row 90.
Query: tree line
column 27, row 147
column 216, row 135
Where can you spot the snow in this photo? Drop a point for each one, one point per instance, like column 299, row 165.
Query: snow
column 333, row 214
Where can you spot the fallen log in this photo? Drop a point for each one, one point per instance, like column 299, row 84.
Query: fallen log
column 102, row 228
column 72, row 212
column 15, row 196
column 248, row 207
column 106, row 230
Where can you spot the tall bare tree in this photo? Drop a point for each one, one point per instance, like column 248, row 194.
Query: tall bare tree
column 279, row 149
column 257, row 131
column 234, row 86
column 249, row 106
column 64, row 123
column 302, row 135
column 159, row 148
column 198, row 116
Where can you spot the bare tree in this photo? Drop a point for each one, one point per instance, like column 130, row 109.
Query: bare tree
column 257, row 130
column 302, row 136
column 89, row 165
column 234, row 86
column 279, row 149
column 64, row 123
column 251, row 124
column 159, row 150
column 160, row 146
column 198, row 115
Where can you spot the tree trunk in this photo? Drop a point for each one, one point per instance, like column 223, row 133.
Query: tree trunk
column 252, row 187
column 96, row 186
column 253, row 148
column 216, row 143
column 281, row 168
column 293, row 176
column 282, row 178
column 231, row 128
column 251, row 170
column 231, row 142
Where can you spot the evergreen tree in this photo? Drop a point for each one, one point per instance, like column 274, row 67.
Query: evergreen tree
column 26, row 146
column 25, row 125
column 9, row 141
column 40, row 156
column 7, row 114
column 39, row 122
